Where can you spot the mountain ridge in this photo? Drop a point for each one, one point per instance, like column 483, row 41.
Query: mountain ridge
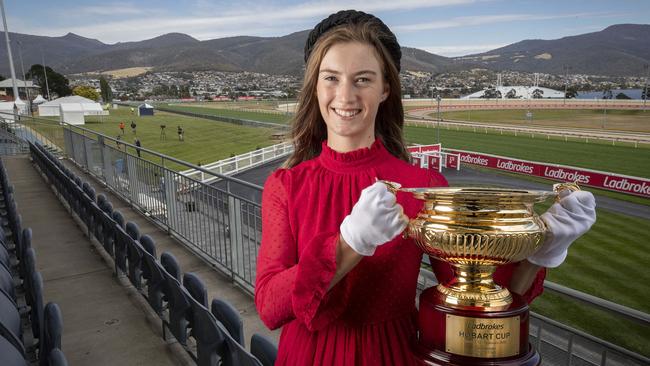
column 617, row 50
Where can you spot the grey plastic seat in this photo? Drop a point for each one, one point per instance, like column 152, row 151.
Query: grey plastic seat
column 152, row 272
column 176, row 299
column 36, row 311
column 57, row 358
column 209, row 334
column 264, row 349
column 196, row 290
column 7, row 282
column 134, row 254
column 237, row 355
column 9, row 316
column 51, row 332
column 9, row 355
column 229, row 317
column 29, row 263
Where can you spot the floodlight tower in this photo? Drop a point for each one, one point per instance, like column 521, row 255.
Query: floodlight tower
column 11, row 59
column 645, row 87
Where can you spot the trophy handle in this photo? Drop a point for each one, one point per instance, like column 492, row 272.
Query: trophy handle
column 394, row 187
column 559, row 187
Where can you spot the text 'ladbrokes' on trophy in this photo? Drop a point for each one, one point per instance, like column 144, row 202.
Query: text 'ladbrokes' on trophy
column 470, row 320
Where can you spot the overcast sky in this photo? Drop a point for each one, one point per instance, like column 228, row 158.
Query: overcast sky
column 445, row 27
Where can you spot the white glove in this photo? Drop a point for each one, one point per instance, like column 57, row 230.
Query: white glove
column 566, row 220
column 375, row 219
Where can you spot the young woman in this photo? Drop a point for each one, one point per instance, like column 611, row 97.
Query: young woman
column 333, row 271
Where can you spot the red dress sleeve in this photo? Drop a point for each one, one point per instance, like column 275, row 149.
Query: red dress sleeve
column 291, row 284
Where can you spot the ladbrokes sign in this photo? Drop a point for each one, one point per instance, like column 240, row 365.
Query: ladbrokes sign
column 613, row 182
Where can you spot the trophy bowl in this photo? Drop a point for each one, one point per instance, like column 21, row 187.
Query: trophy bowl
column 475, row 230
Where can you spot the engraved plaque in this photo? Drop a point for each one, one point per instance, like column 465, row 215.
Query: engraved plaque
column 481, row 337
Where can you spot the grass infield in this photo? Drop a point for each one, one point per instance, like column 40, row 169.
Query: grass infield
column 261, row 116
column 205, row 141
column 621, row 120
column 605, row 157
column 606, row 262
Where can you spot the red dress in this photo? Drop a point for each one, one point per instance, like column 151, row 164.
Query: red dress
column 368, row 318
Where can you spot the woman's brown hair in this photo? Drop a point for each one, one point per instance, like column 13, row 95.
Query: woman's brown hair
column 308, row 129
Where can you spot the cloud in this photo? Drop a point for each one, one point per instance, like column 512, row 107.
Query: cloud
column 492, row 19
column 461, row 50
column 217, row 21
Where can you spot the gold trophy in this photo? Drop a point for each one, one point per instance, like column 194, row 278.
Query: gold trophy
column 471, row 320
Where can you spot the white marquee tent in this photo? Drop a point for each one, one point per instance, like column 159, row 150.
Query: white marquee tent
column 52, row 108
column 72, row 113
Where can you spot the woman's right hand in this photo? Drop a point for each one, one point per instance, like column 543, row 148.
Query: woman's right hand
column 375, row 219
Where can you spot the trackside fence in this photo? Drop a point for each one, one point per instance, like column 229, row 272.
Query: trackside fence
column 221, row 223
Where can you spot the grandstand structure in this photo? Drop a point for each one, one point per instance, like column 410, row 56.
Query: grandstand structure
column 500, row 91
column 173, row 257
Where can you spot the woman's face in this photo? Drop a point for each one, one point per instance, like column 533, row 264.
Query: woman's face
column 350, row 88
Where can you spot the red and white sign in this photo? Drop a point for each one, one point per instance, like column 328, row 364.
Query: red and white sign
column 424, row 148
column 417, row 161
column 435, row 162
column 452, row 161
column 593, row 178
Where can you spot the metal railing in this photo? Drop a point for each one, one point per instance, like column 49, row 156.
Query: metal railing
column 221, row 223
column 586, row 135
column 240, row 163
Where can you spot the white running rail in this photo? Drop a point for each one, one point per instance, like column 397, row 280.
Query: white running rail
column 240, row 163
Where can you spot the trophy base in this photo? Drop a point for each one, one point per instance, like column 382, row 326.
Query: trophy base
column 437, row 358
column 473, row 336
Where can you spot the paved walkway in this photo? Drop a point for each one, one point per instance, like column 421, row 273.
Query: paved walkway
column 102, row 318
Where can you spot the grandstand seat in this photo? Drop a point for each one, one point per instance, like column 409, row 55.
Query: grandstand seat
column 169, row 264
column 209, row 334
column 36, row 311
column 9, row 316
column 134, row 254
column 177, row 301
column 155, row 279
column 196, row 289
column 7, row 282
column 57, row 358
column 21, row 251
column 51, row 332
column 264, row 349
column 9, row 355
column 237, row 355
column 229, row 317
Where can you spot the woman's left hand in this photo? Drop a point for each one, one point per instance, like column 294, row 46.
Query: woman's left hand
column 566, row 221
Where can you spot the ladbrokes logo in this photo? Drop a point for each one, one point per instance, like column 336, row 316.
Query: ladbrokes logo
column 625, row 185
column 561, row 174
column 514, row 167
column 477, row 160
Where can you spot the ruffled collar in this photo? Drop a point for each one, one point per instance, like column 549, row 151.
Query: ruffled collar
column 366, row 157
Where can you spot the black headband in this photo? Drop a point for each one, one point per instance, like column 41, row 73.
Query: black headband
column 386, row 37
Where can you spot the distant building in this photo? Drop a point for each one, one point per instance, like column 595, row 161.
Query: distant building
column 516, row 92
column 23, row 86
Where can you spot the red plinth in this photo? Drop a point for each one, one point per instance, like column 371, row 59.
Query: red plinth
column 454, row 337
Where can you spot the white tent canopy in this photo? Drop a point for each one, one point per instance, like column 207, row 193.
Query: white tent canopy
column 39, row 100
column 72, row 113
column 52, row 108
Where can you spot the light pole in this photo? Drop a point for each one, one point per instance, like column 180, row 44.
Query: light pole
column 47, row 87
column 11, row 61
column 566, row 80
column 645, row 87
column 438, row 99
column 22, row 67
